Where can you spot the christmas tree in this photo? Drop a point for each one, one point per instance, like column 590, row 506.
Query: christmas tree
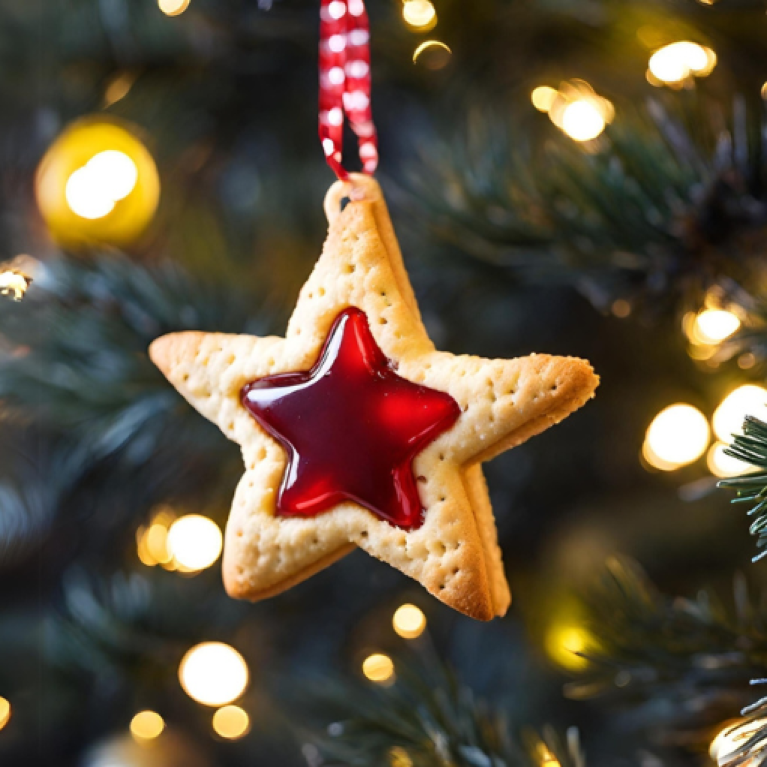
column 575, row 178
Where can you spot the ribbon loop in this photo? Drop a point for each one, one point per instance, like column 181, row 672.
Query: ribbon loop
column 345, row 83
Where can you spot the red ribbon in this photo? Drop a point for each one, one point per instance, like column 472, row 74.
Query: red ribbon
column 345, row 83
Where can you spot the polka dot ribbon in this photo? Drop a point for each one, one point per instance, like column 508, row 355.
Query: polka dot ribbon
column 345, row 83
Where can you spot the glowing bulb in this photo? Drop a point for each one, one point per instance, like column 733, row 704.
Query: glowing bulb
column 582, row 120
column 419, row 14
column 173, row 7
column 722, row 465
column 730, row 740
column 440, row 56
column 13, row 284
column 712, row 326
column 677, row 436
column 156, row 541
column 108, row 177
column 674, row 63
column 563, row 643
column 729, row 416
column 409, row 622
column 5, row 712
column 543, row 97
column 147, row 725
column 231, row 722
column 213, row 674
column 378, row 668
column 195, row 542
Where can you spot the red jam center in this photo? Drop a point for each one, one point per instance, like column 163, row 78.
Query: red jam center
column 351, row 427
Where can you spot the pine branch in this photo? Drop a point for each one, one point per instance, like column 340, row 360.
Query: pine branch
column 676, row 664
column 750, row 736
column 751, row 447
column 427, row 718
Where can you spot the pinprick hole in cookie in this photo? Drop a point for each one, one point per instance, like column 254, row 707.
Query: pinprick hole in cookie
column 441, row 456
column 441, row 586
column 422, row 479
column 270, row 362
column 442, row 499
column 350, row 268
column 364, row 534
column 186, row 376
column 383, row 321
column 456, row 570
column 554, row 387
column 321, row 291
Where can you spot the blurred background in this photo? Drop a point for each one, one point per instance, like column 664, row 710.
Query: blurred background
column 583, row 178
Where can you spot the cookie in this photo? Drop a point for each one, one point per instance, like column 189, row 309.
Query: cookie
column 465, row 409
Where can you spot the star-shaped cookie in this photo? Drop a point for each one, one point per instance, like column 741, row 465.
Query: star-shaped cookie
column 387, row 399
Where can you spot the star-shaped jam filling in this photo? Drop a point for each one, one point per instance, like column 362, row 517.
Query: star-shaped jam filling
column 351, row 427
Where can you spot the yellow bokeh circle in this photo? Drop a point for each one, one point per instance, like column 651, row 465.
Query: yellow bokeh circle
column 97, row 184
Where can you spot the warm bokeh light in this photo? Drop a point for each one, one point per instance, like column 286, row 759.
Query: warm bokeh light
column 563, row 642
column 438, row 54
column 231, row 722
column 728, row 741
column 578, row 111
column 712, row 326
column 5, row 712
column 674, row 63
column 195, row 542
column 764, row 91
column 730, row 415
column 722, row 465
column 13, row 283
column 582, row 120
column 213, row 674
column 543, row 97
column 678, row 435
column 147, row 725
column 419, row 14
column 409, row 621
column 173, row 7
column 398, row 757
column 378, row 668
column 93, row 190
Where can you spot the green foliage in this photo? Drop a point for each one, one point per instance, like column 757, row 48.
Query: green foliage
column 673, row 662
column 751, row 447
column 430, row 719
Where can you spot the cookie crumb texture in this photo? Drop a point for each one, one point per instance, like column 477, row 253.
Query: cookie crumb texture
column 454, row 553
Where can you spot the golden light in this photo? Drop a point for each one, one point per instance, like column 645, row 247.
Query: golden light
column 409, row 621
column 195, row 542
column 173, row 7
column 398, row 757
column 722, row 465
column 147, row 725
column 730, row 415
column 97, row 183
column 5, row 712
column 678, row 435
column 436, row 61
column 213, row 673
column 712, row 326
column 764, row 91
column 563, row 642
column 582, row 121
column 673, row 64
column 579, row 112
column 543, row 97
column 14, row 284
column 231, row 722
column 419, row 14
column 728, row 740
column 378, row 668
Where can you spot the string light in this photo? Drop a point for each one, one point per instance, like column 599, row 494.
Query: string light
column 563, row 642
column 5, row 712
column 677, row 436
column 419, row 14
column 93, row 190
column 231, row 722
column 398, row 757
column 575, row 109
column 730, row 415
column 439, row 57
column 194, row 541
column 14, row 283
column 543, row 97
column 173, row 7
column 722, row 465
column 409, row 622
column 378, row 668
column 730, row 740
column 712, row 326
column 673, row 64
column 147, row 725
column 213, row 673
